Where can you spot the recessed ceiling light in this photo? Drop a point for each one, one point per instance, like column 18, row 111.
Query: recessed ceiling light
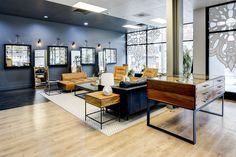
column 159, row 20
column 86, row 23
column 89, row 7
column 131, row 26
column 45, row 16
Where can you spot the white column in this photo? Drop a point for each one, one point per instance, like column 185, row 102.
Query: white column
column 174, row 36
column 199, row 44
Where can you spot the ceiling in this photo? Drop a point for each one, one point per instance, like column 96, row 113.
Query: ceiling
column 120, row 12
column 128, row 9
column 206, row 3
column 37, row 9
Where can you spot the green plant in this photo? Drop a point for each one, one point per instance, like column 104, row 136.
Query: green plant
column 187, row 62
column 131, row 72
column 144, row 67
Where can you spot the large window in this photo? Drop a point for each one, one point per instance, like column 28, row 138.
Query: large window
column 188, row 38
column 147, row 49
column 222, row 43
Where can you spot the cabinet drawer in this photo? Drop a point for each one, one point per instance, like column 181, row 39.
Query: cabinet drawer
column 205, row 96
column 219, row 87
column 220, row 80
column 219, row 92
column 204, row 86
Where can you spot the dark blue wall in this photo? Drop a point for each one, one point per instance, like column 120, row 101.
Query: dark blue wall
column 31, row 30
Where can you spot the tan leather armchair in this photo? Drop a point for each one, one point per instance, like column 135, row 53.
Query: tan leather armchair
column 120, row 72
column 148, row 73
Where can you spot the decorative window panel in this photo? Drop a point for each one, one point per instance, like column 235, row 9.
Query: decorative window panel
column 223, row 46
column 136, row 38
column 157, row 35
column 222, row 17
column 222, row 43
column 136, row 57
column 157, row 57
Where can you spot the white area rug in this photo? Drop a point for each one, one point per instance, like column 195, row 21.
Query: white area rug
column 76, row 106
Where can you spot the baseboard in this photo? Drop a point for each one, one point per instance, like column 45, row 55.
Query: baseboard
column 230, row 96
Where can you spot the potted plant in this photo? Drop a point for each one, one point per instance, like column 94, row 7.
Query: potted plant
column 131, row 72
column 187, row 63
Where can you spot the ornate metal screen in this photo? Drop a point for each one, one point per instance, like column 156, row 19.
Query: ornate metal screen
column 222, row 43
column 147, row 48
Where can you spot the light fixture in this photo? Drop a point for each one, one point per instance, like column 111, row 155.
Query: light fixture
column 131, row 26
column 73, row 44
column 39, row 43
column 89, row 7
column 159, row 20
column 46, row 17
column 86, row 23
column 99, row 47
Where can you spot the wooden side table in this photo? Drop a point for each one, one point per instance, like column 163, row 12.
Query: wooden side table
column 101, row 101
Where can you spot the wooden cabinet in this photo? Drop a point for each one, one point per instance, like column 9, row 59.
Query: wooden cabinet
column 40, row 77
column 193, row 94
column 185, row 93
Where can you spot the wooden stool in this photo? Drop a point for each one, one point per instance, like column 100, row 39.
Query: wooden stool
column 101, row 101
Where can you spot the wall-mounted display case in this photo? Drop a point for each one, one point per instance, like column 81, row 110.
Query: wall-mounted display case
column 110, row 55
column 40, row 58
column 17, row 56
column 57, row 55
column 75, row 57
column 87, row 55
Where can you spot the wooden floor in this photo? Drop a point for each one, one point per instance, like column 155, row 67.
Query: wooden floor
column 21, row 97
column 46, row 130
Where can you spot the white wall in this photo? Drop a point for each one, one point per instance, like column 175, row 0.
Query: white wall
column 199, row 44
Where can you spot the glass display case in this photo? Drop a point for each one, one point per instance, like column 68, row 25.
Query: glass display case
column 110, row 55
column 57, row 55
column 87, row 55
column 17, row 55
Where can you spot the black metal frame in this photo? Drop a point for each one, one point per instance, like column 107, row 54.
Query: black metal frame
column 82, row 95
column 102, row 110
column 193, row 141
column 229, row 95
column 17, row 67
column 57, row 65
column 48, row 89
column 94, row 55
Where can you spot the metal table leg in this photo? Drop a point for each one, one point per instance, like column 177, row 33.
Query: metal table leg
column 101, row 117
column 194, row 126
column 85, row 110
column 171, row 133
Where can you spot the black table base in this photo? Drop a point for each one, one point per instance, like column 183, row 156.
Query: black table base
column 193, row 140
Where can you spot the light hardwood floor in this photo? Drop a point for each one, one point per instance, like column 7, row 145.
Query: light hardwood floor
column 46, row 130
